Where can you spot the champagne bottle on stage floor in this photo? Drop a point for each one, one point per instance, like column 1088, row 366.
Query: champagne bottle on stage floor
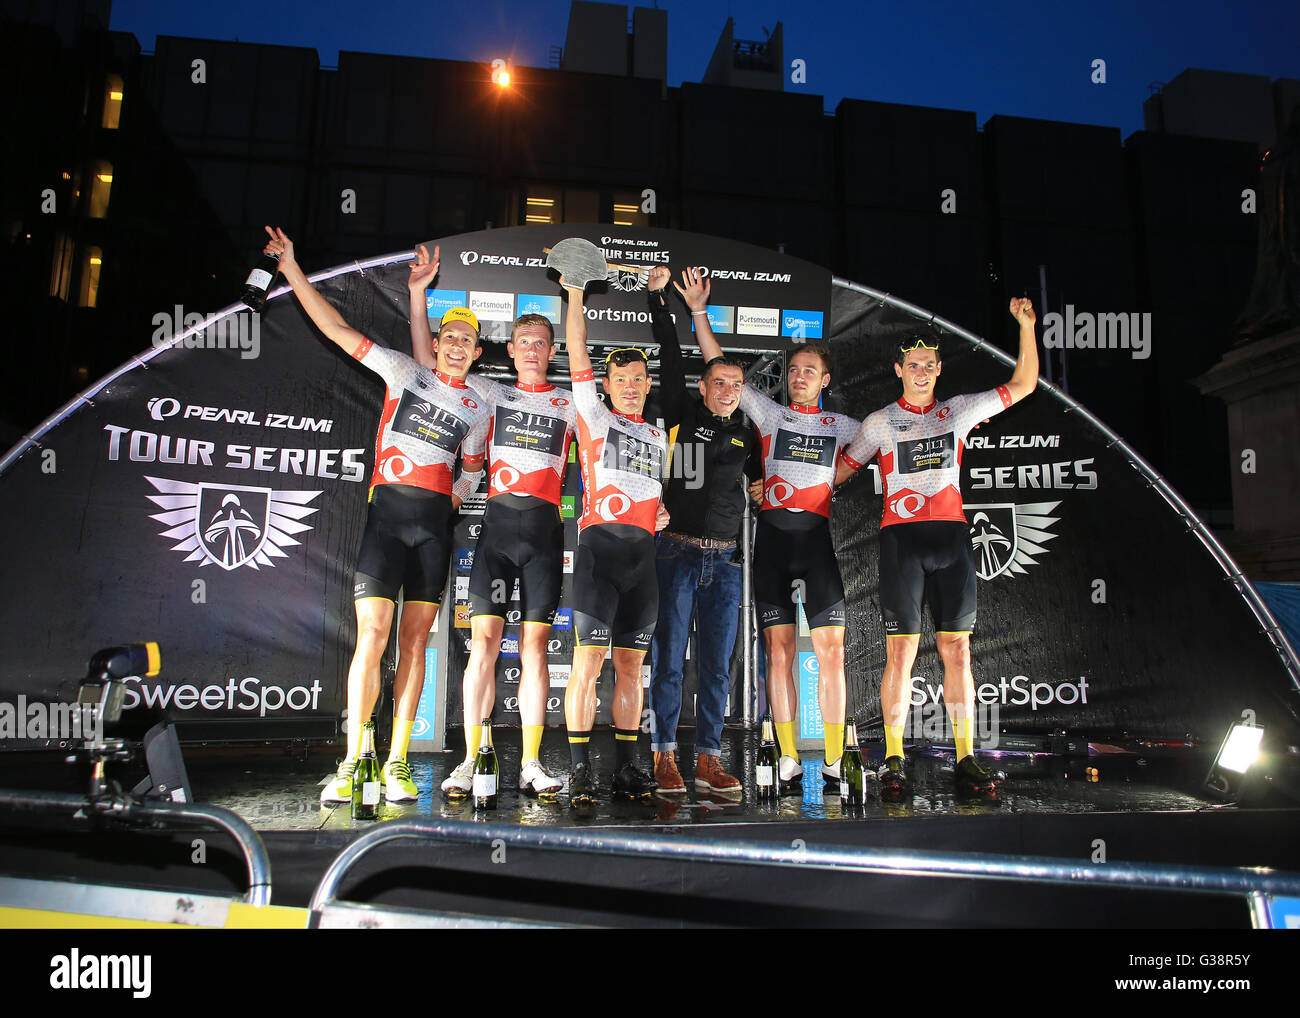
column 767, row 774
column 365, row 778
column 485, row 770
column 259, row 281
column 853, row 789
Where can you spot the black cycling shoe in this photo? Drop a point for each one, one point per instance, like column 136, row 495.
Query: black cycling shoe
column 895, row 786
column 631, row 782
column 582, row 787
column 973, row 779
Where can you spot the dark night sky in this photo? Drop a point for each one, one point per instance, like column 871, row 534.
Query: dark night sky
column 1020, row 59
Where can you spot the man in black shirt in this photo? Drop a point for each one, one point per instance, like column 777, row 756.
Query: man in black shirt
column 713, row 447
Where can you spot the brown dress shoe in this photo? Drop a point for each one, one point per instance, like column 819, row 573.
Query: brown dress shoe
column 667, row 776
column 710, row 777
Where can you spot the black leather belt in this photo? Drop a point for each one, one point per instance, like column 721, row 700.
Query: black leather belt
column 707, row 543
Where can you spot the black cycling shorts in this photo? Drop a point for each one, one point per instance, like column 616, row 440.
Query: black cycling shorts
column 794, row 562
column 615, row 587
column 523, row 539
column 406, row 545
column 931, row 559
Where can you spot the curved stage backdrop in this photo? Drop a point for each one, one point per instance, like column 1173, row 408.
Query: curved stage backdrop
column 211, row 495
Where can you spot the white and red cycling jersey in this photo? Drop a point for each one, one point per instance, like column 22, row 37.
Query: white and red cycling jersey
column 920, row 451
column 622, row 460
column 801, row 447
column 427, row 418
column 528, row 434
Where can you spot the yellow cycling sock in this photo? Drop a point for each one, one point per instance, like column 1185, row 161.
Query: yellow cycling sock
column 834, row 742
column 893, row 741
column 532, row 741
column 473, row 736
column 962, row 738
column 785, row 736
column 401, row 738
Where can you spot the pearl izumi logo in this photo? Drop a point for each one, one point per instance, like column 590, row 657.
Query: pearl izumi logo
column 230, row 525
column 77, row 971
column 1008, row 537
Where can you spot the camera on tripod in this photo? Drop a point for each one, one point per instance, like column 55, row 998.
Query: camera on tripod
column 101, row 695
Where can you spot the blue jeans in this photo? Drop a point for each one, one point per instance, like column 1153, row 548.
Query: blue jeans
column 704, row 583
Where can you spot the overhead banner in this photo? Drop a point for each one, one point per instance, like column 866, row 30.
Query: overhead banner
column 211, row 496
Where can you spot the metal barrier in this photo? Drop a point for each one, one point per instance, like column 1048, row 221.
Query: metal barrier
column 1251, row 883
column 259, row 864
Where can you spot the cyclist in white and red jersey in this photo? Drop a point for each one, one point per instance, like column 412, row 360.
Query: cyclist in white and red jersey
column 794, row 558
column 428, row 417
column 925, row 546
column 528, row 435
column 615, row 587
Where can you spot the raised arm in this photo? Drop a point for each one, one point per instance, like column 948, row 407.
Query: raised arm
column 1024, row 379
column 696, row 295
column 423, row 269
column 575, row 332
column 323, row 314
column 672, row 374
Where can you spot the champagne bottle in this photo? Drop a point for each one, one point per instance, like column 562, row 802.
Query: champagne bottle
column 767, row 774
column 259, row 281
column 853, row 789
column 365, row 778
column 485, row 770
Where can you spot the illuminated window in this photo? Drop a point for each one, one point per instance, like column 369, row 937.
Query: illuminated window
column 112, row 101
column 543, row 206
column 91, row 263
column 61, row 267
column 101, row 183
column 554, row 205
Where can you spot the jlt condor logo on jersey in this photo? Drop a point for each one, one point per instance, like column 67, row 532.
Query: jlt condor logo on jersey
column 230, row 525
column 1008, row 537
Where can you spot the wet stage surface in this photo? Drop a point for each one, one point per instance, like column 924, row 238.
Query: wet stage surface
column 281, row 793
column 1142, row 809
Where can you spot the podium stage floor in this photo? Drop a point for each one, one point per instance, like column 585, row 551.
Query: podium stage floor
column 1143, row 809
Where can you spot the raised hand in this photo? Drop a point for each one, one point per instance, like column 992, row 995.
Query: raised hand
column 424, row 268
column 696, row 290
column 1022, row 309
column 281, row 245
column 659, row 277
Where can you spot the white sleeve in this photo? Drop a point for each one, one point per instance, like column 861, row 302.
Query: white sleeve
column 978, row 407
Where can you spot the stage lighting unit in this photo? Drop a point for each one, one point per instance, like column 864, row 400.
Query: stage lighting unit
column 1232, row 763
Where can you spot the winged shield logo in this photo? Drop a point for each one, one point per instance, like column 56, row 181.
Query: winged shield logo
column 1008, row 537
column 230, row 525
